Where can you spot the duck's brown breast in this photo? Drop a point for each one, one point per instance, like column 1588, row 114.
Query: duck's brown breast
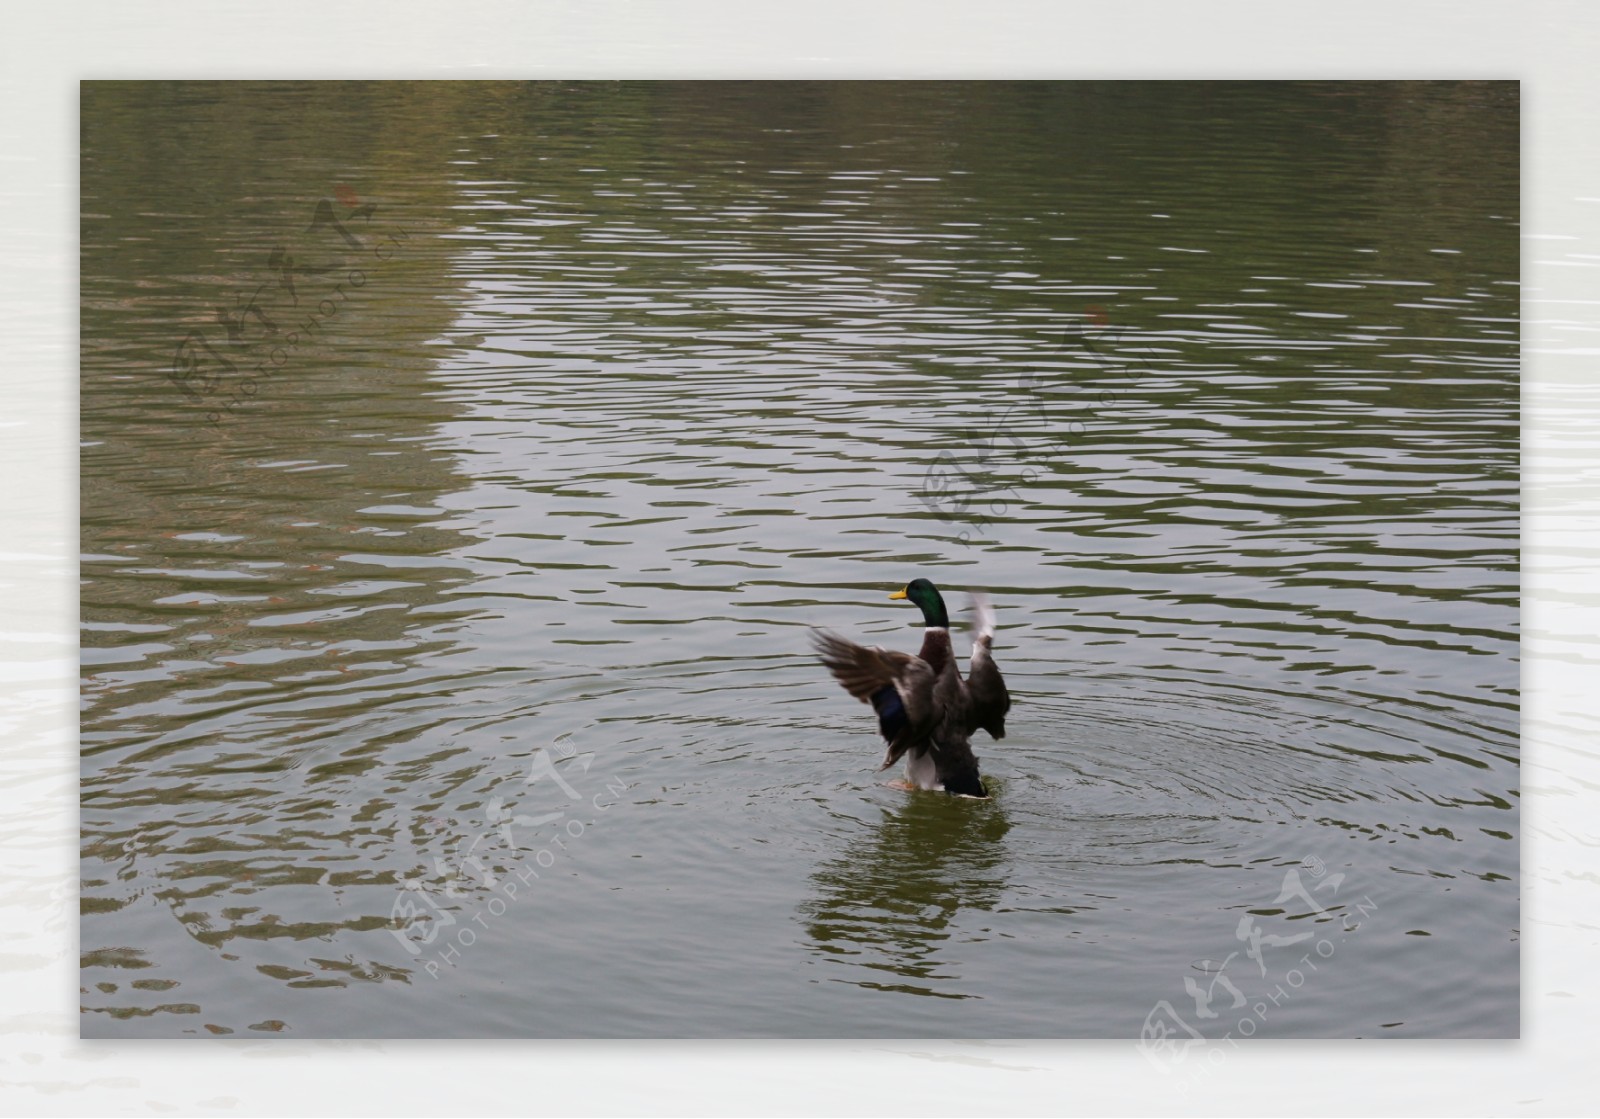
column 936, row 649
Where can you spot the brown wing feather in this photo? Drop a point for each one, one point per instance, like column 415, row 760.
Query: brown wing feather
column 990, row 700
column 986, row 688
column 865, row 671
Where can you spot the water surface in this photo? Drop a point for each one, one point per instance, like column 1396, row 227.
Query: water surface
column 465, row 465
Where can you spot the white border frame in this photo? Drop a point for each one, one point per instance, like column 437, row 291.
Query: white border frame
column 1550, row 45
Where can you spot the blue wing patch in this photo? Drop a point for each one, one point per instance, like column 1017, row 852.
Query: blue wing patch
column 891, row 712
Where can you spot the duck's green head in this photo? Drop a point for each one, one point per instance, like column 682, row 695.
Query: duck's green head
column 926, row 595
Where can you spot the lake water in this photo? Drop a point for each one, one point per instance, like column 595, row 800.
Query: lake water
column 465, row 467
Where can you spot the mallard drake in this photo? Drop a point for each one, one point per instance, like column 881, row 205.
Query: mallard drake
column 926, row 711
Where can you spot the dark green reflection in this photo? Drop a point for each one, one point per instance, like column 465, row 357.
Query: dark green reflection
column 889, row 901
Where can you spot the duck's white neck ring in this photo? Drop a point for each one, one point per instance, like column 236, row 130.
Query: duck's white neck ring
column 936, row 629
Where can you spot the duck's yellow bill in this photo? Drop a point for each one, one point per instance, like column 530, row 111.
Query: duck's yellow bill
column 898, row 594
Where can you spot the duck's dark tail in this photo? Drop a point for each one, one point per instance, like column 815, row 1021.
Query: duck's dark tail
column 965, row 782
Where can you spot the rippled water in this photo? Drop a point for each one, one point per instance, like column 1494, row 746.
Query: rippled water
column 446, row 662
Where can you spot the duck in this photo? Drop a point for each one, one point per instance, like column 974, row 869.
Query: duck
column 927, row 713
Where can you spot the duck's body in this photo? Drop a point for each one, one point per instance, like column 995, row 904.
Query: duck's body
column 926, row 712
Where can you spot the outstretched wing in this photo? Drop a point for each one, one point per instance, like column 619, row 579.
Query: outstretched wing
column 898, row 685
column 986, row 688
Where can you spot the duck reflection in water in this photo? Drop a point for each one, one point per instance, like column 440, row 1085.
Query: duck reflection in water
column 887, row 904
